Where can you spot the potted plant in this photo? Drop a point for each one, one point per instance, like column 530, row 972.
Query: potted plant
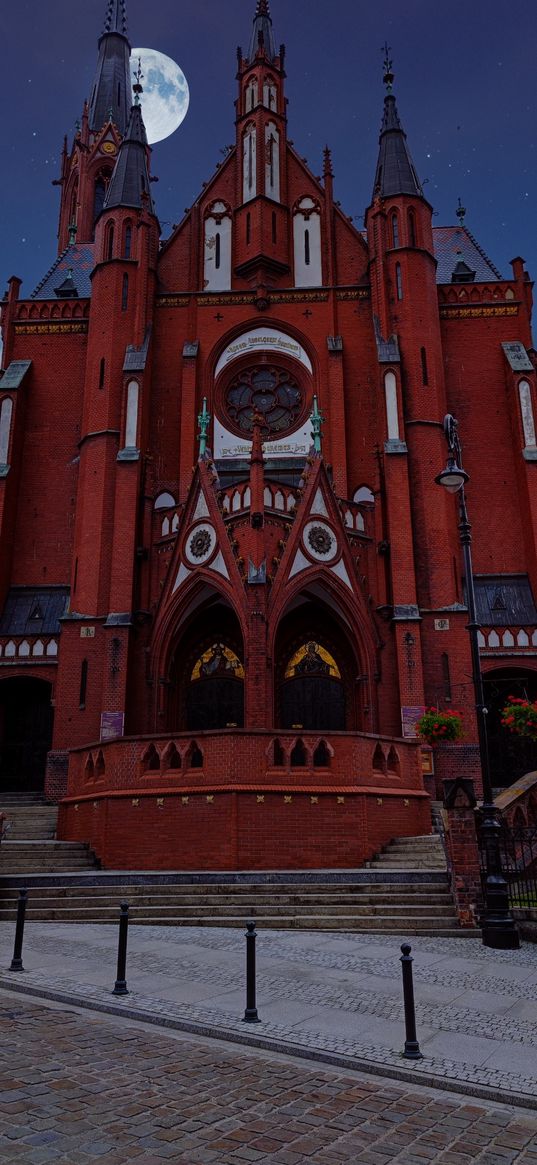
column 520, row 717
column 438, row 727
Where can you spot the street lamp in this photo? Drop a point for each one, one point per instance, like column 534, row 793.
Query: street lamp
column 498, row 925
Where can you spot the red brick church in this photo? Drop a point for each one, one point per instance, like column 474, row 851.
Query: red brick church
column 228, row 581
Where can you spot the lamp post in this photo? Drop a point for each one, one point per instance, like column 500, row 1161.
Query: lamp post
column 498, row 925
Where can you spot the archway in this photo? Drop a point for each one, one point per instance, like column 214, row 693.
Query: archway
column 26, row 722
column 510, row 756
column 315, row 671
column 207, row 673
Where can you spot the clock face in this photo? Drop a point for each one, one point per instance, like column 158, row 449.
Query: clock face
column 109, row 148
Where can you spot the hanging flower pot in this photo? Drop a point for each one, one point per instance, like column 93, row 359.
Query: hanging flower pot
column 438, row 727
column 520, row 717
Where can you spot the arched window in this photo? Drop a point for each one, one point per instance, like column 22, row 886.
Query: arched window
column 249, row 163
column 99, row 196
column 392, row 412
column 398, row 281
column 125, row 293
column 526, row 410
column 395, row 229
column 109, row 241
column 411, row 219
column 424, row 368
column 251, row 94
column 272, row 161
column 102, row 368
column 364, row 494
column 270, row 93
column 131, row 421
column 83, row 683
column 164, row 501
column 307, row 243
column 127, row 245
column 6, row 410
column 217, row 248
column 248, row 228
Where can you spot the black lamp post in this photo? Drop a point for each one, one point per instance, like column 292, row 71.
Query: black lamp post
column 497, row 922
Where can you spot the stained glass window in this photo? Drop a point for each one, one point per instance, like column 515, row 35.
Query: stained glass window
column 273, row 392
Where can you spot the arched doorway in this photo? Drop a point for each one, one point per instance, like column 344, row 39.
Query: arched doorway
column 26, row 722
column 315, row 671
column 207, row 673
column 510, row 756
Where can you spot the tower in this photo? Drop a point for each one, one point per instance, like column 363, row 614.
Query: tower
column 87, row 168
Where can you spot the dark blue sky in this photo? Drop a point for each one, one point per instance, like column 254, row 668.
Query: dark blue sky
column 465, row 85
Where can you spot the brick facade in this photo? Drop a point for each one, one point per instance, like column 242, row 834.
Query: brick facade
column 308, row 604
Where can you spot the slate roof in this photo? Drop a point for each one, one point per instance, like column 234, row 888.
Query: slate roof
column 504, row 600
column 396, row 173
column 263, row 25
column 129, row 184
column 34, row 610
column 455, row 244
column 79, row 259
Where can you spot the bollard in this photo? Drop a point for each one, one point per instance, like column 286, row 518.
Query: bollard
column 250, row 1015
column 121, row 982
column 412, row 1048
column 16, row 962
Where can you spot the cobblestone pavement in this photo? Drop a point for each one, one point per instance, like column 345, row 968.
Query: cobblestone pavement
column 330, row 996
column 77, row 1089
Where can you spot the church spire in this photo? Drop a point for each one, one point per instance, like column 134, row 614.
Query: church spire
column 129, row 184
column 112, row 91
column 395, row 169
column 262, row 32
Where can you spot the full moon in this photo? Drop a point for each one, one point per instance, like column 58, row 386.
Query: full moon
column 165, row 97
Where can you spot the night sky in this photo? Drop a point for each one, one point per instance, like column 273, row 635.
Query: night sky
column 465, row 85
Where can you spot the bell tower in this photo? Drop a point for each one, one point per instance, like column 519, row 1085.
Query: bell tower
column 87, row 169
column 261, row 253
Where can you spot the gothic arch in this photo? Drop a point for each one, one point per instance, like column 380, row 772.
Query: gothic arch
column 205, row 674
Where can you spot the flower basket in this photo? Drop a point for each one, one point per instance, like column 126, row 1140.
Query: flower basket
column 520, row 717
column 438, row 727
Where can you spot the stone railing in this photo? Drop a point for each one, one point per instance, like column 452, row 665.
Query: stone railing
column 29, row 649
column 508, row 639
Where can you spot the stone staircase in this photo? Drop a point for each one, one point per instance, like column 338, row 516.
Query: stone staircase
column 404, row 890
column 411, row 853
column 29, row 846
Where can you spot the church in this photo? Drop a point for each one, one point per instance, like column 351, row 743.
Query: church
column 229, row 584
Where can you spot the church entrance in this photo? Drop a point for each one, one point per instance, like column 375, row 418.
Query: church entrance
column 315, row 672
column 26, row 722
column 207, row 675
column 510, row 756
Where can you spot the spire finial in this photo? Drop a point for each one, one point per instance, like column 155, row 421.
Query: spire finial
column 461, row 212
column 262, row 8
column 388, row 67
column 72, row 233
column 204, row 420
column 327, row 167
column 317, row 419
column 138, row 78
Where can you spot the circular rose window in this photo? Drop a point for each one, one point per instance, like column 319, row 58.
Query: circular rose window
column 273, row 392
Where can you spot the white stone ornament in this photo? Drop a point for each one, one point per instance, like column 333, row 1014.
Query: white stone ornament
column 320, row 542
column 200, row 544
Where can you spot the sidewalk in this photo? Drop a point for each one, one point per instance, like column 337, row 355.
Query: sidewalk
column 331, row 997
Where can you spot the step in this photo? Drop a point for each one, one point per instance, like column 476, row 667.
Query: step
column 176, row 901
column 430, row 924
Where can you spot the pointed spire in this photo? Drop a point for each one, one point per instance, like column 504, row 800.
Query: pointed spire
column 396, row 173
column 262, row 32
column 116, row 17
column 327, row 163
column 112, row 91
column 129, row 184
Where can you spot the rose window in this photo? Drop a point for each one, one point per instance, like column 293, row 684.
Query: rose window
column 270, row 391
column 200, row 543
column 320, row 540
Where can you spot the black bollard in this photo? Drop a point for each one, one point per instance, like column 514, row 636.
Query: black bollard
column 16, row 962
column 250, row 1015
column 121, row 982
column 412, row 1048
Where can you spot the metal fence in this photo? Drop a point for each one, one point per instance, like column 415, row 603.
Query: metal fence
column 519, row 863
